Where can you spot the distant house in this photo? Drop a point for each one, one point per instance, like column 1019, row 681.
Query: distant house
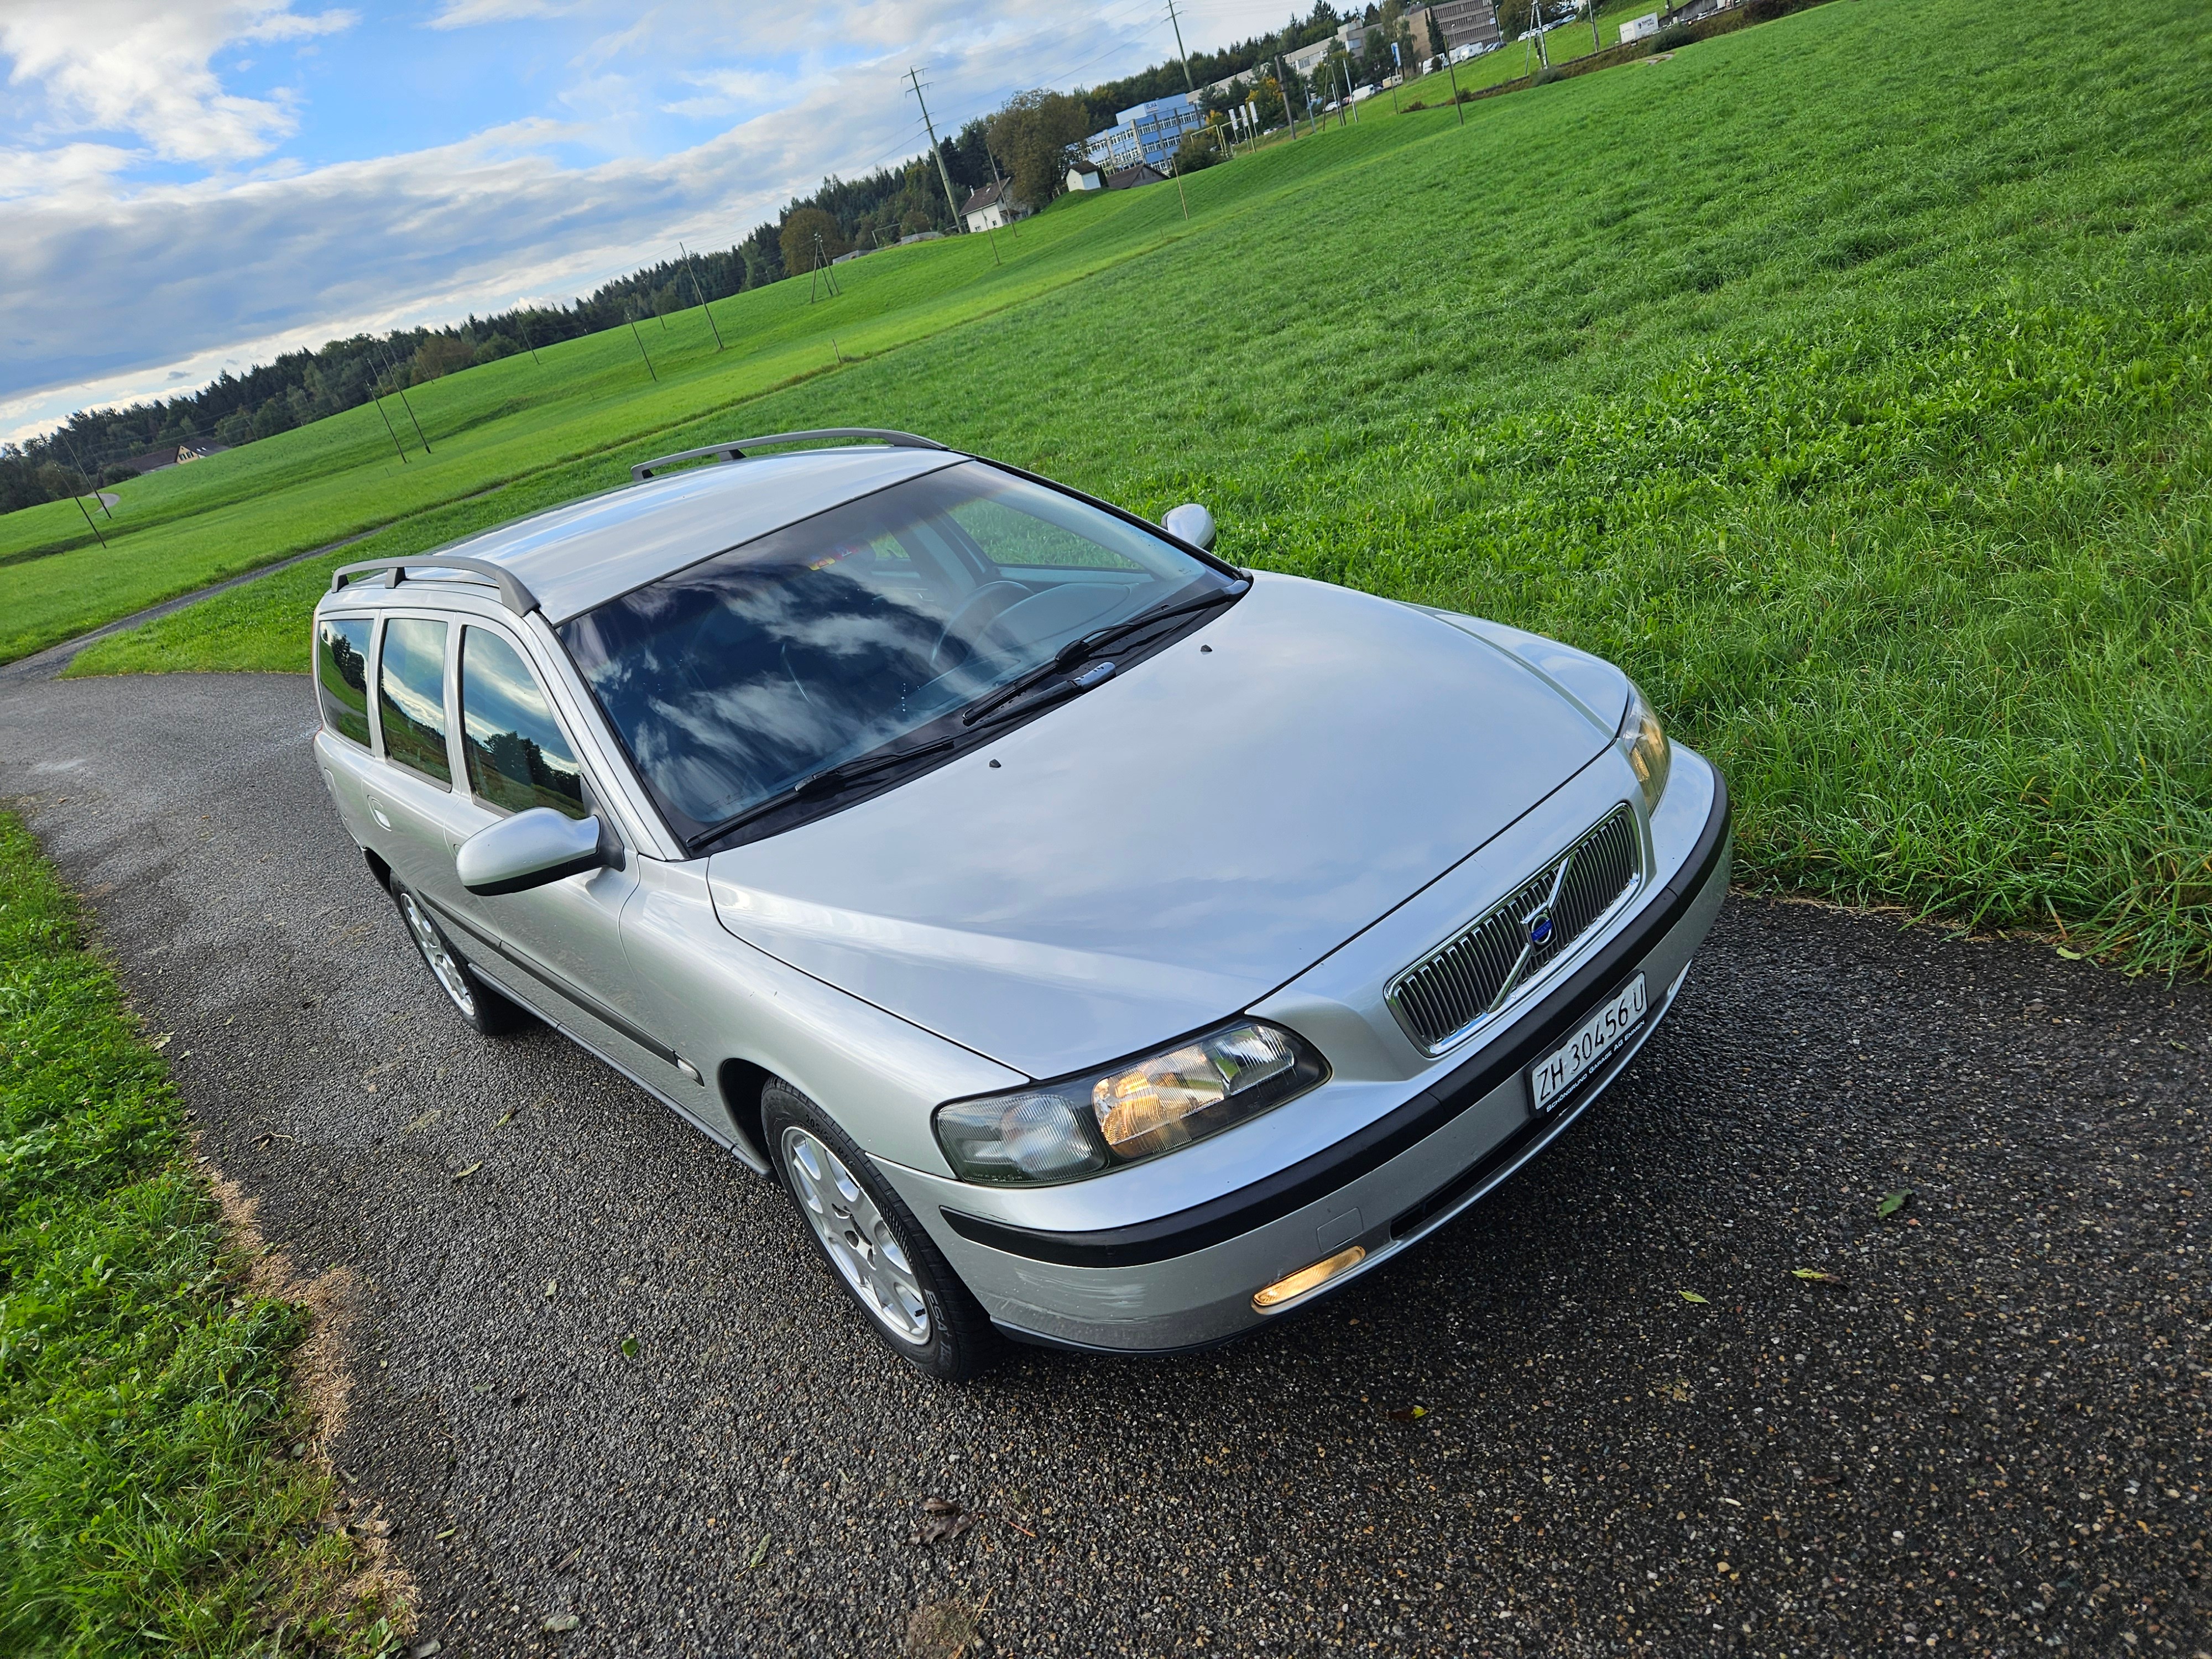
column 1083, row 178
column 1639, row 29
column 992, row 208
column 1129, row 178
column 152, row 461
column 199, row 449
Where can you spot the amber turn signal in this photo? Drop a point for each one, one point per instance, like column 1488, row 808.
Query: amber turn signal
column 1306, row 1279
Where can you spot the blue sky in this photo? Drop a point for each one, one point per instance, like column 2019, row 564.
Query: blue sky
column 191, row 184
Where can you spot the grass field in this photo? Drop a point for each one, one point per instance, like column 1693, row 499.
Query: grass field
column 147, row 1500
column 1845, row 378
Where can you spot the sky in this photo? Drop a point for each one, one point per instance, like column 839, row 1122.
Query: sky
column 187, row 186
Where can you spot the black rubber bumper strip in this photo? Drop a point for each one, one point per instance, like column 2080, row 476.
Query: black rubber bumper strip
column 1204, row 1225
column 607, row 1016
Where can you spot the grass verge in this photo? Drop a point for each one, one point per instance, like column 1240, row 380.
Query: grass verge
column 149, row 1500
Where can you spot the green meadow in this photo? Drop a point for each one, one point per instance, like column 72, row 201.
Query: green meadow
column 1843, row 377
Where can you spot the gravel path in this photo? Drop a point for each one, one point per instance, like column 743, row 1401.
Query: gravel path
column 1984, row 1433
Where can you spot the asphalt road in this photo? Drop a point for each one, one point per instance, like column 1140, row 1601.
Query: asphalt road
column 1986, row 1434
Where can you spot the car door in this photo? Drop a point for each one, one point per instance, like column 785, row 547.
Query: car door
column 561, row 943
column 410, row 794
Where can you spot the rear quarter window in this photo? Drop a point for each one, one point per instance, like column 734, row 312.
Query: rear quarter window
column 342, row 674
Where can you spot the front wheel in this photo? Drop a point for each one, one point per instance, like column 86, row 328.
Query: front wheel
column 486, row 1011
column 878, row 1251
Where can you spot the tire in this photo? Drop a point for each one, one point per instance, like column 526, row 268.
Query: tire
column 874, row 1248
column 486, row 1011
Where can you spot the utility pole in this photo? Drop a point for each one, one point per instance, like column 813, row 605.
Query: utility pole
column 700, row 294
column 78, row 499
column 1452, row 70
column 88, row 478
column 914, row 75
column 1283, row 87
column 629, row 316
column 388, row 426
column 1597, row 43
column 408, row 407
column 1190, row 85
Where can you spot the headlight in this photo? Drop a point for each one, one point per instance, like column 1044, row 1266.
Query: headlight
column 1129, row 1111
column 1645, row 744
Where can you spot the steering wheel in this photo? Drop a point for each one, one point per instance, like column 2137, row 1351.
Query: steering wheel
column 1000, row 593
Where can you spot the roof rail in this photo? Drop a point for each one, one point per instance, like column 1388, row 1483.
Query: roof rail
column 736, row 452
column 513, row 593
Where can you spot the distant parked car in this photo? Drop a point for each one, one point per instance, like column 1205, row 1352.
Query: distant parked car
column 1103, row 945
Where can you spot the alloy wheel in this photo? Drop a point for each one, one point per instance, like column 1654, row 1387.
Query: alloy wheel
column 856, row 1237
column 444, row 966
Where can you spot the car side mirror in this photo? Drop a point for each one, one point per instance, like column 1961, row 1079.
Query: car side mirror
column 1190, row 522
column 529, row 850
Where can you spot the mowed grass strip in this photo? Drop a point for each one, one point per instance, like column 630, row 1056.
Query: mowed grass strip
column 148, row 1501
column 1845, row 378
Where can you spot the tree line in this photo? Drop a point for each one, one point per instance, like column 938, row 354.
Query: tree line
column 1028, row 144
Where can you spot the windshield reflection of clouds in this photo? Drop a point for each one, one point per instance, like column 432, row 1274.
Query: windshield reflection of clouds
column 738, row 677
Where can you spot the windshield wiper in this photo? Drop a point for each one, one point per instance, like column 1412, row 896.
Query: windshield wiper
column 829, row 778
column 1085, row 645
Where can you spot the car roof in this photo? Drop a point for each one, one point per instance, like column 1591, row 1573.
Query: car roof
column 583, row 554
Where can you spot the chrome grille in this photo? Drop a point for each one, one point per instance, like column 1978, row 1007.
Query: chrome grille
column 1442, row 998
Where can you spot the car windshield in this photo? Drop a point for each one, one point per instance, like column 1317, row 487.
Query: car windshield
column 747, row 674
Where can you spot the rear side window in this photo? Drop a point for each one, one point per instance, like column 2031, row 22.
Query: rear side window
column 342, row 674
column 516, row 756
column 410, row 695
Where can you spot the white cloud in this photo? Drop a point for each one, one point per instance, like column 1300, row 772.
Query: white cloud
column 144, row 67
column 110, row 281
column 468, row 13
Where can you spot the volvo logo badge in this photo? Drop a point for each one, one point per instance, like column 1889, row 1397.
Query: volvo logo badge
column 1540, row 927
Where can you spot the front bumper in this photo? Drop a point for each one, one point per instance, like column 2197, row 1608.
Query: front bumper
column 1187, row 1279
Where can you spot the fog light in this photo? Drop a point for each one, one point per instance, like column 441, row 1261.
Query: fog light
column 1298, row 1284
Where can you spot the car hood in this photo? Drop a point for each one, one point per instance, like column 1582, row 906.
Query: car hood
column 1165, row 850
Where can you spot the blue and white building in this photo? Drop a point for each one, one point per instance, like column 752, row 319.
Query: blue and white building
column 1150, row 132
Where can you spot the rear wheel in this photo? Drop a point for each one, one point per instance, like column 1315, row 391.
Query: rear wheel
column 873, row 1244
column 487, row 1012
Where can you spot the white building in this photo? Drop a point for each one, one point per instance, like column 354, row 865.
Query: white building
column 992, row 208
column 1639, row 29
column 1083, row 178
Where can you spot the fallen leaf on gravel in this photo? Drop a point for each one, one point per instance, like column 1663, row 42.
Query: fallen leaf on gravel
column 421, row 1122
column 2070, row 956
column 440, row 1537
column 942, row 1518
column 462, row 1174
column 426, row 1649
column 1816, row 1276
column 1409, row 1413
column 165, row 1039
column 760, row 1551
column 558, row 1622
column 551, row 1285
column 628, row 1346
column 1690, row 1295
column 2183, row 1047
column 1893, row 1202
column 939, row 1630
column 504, row 1118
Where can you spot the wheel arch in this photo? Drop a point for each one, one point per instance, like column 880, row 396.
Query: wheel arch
column 740, row 1082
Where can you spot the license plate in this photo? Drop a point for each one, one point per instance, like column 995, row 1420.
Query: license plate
column 1601, row 1033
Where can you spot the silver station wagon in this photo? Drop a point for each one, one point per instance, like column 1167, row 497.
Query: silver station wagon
column 1105, row 946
